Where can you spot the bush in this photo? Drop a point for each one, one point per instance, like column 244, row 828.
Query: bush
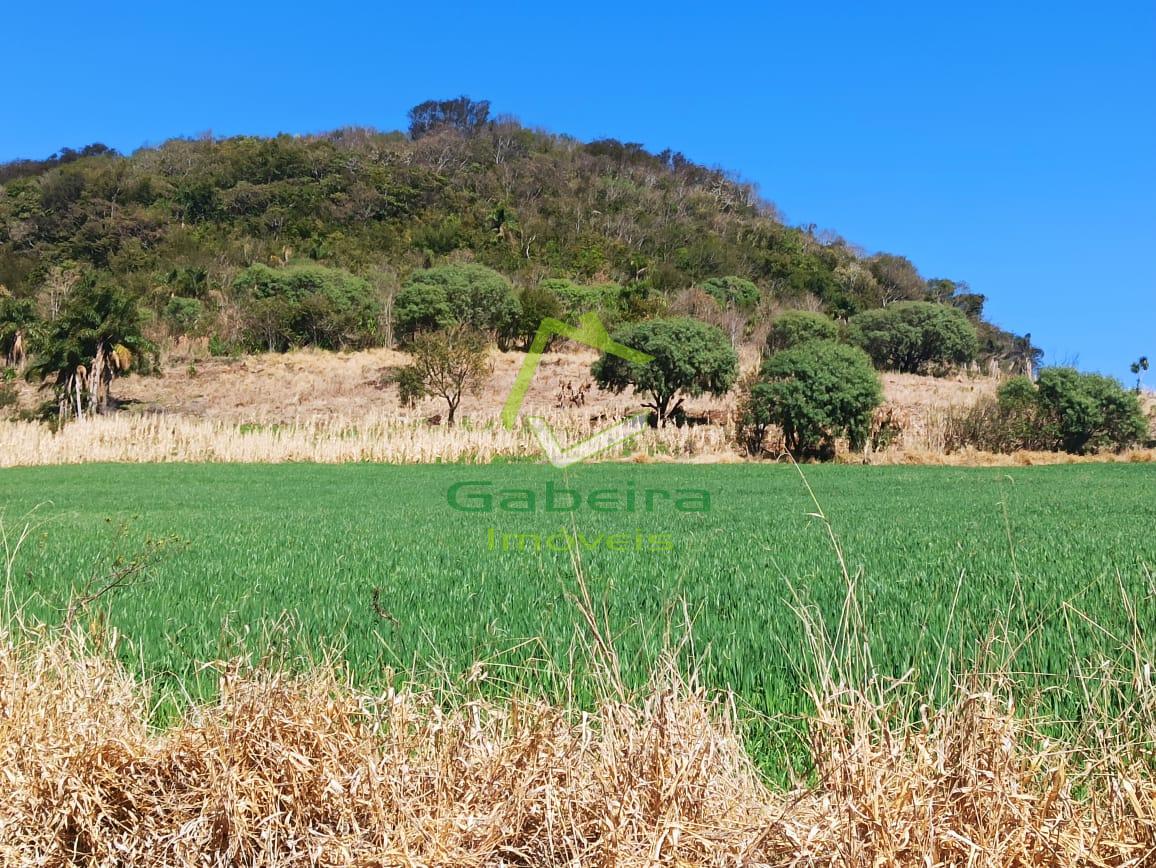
column 732, row 292
column 797, row 327
column 307, row 305
column 9, row 397
column 915, row 337
column 815, row 392
column 1066, row 411
column 471, row 296
column 183, row 314
column 605, row 299
column 991, row 426
column 1092, row 412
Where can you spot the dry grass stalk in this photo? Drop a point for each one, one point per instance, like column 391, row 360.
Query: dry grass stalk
column 303, row 770
column 379, row 437
column 371, row 437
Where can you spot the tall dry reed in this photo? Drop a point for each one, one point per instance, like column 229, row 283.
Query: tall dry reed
column 372, row 437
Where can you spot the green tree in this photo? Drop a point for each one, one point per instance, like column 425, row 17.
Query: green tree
column 916, row 336
column 535, row 303
column 690, row 358
column 446, row 364
column 183, row 314
column 815, row 392
column 96, row 338
column 468, row 295
column 896, row 278
column 795, row 327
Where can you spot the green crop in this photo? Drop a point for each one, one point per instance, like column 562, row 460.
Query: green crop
column 372, row 563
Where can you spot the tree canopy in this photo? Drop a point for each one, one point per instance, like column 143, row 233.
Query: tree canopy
column 795, row 327
column 815, row 392
column 96, row 337
column 468, row 295
column 914, row 337
column 690, row 358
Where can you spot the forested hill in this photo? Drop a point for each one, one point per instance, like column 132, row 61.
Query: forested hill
column 182, row 220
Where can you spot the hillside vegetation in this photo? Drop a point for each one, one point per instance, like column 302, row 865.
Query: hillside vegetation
column 177, row 227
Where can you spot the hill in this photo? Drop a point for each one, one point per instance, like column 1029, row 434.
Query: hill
column 175, row 225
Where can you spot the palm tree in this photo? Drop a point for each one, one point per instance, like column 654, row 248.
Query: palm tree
column 1138, row 368
column 96, row 337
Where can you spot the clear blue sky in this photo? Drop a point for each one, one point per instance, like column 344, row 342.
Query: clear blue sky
column 1012, row 145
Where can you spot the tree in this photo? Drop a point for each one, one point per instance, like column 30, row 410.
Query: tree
column 1139, row 367
column 690, row 358
column 462, row 114
column 468, row 295
column 17, row 318
column 957, row 294
column 446, row 364
column 816, row 392
column 535, row 303
column 183, row 314
column 896, row 278
column 915, row 336
column 736, row 298
column 96, row 338
column 795, row 327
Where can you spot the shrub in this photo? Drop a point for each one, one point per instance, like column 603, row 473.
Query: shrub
column 183, row 314
column 815, row 392
column 915, row 336
column 304, row 305
column 1091, row 411
column 732, row 292
column 991, row 426
column 797, row 327
column 605, row 299
column 469, row 295
column 1067, row 411
column 690, row 358
column 9, row 397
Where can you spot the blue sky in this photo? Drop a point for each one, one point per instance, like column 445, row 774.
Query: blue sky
column 1010, row 145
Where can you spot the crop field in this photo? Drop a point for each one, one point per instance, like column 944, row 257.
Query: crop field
column 468, row 573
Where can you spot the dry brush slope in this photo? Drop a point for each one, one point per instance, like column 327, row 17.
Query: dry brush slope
column 282, row 387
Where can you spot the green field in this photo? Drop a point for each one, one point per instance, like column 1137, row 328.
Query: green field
column 373, row 561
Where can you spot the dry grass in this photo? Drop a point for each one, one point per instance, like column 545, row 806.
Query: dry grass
column 310, row 405
column 386, row 438
column 303, row 770
column 912, row 455
column 283, row 387
column 371, row 437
